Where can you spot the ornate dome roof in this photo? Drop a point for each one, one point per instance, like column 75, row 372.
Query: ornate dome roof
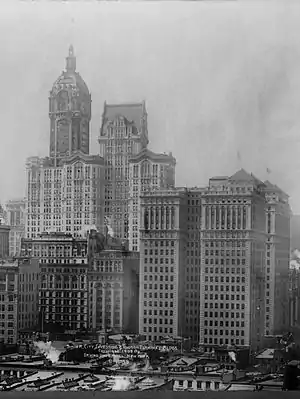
column 70, row 79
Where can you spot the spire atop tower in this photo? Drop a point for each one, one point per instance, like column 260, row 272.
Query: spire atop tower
column 71, row 60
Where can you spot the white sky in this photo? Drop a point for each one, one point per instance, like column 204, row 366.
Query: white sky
column 217, row 77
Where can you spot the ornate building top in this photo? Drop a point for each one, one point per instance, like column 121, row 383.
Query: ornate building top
column 146, row 154
column 70, row 79
column 69, row 112
column 132, row 115
column 77, row 156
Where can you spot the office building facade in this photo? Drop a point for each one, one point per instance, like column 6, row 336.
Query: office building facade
column 9, row 301
column 278, row 215
column 65, row 191
column 148, row 172
column 15, row 213
column 163, row 243
column 193, row 264
column 233, row 237
column 123, row 133
column 66, row 198
column 113, row 285
column 29, row 289
column 63, row 292
column 4, row 241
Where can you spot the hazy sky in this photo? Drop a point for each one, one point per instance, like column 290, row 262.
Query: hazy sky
column 217, row 77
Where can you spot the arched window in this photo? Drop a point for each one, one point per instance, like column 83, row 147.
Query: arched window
column 151, row 218
column 206, row 210
column 157, row 217
column 222, row 217
column 217, row 217
column 233, row 218
column 212, row 217
column 172, row 217
column 244, row 217
column 239, row 214
column 162, row 220
column 228, row 218
column 146, row 219
column 167, row 217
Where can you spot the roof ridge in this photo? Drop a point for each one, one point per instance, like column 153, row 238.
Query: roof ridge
column 124, row 104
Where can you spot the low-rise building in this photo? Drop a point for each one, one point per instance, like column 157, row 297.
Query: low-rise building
column 63, row 280
column 29, row 285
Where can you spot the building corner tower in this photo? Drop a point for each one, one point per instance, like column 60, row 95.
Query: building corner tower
column 69, row 113
column 65, row 191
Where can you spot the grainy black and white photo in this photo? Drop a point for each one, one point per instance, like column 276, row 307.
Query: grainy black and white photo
column 149, row 197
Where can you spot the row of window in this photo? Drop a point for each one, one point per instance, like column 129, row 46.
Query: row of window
column 222, row 341
column 161, row 286
column 155, row 329
column 226, row 261
column 227, row 288
column 155, row 295
column 162, row 261
column 222, row 252
column 222, row 323
column 215, row 305
column 161, row 269
column 224, row 297
column 223, row 279
column 160, row 304
column 161, row 321
column 228, row 270
column 161, row 243
column 224, row 315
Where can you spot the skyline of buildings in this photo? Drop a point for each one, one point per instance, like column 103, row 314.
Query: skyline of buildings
column 233, row 245
column 206, row 263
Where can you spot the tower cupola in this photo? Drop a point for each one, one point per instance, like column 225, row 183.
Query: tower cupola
column 71, row 61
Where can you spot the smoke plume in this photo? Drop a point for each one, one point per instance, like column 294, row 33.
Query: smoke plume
column 121, row 384
column 232, row 356
column 48, row 350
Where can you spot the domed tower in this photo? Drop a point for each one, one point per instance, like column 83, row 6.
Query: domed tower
column 69, row 112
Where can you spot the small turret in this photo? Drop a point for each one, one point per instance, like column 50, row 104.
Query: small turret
column 71, row 60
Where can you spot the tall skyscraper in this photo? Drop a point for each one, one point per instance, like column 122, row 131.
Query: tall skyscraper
column 278, row 215
column 173, row 253
column 148, row 172
column 193, row 264
column 163, row 264
column 65, row 191
column 16, row 220
column 123, row 133
column 233, row 240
